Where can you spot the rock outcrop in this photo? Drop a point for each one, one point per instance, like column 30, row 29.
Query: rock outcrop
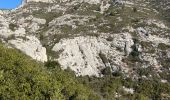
column 31, row 46
column 88, row 55
column 91, row 35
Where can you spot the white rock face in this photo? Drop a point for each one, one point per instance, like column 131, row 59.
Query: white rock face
column 19, row 32
column 39, row 20
column 31, row 46
column 151, row 59
column 4, row 28
column 31, row 23
column 104, row 6
column 123, row 41
column 82, row 54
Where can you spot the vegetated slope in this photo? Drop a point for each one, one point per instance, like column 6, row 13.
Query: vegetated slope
column 113, row 87
column 22, row 78
column 88, row 36
column 163, row 6
column 125, row 43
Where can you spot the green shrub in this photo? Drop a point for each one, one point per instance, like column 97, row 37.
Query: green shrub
column 22, row 78
column 12, row 26
column 163, row 46
column 106, row 71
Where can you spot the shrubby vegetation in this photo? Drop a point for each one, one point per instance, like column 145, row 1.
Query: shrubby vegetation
column 109, row 86
column 24, row 79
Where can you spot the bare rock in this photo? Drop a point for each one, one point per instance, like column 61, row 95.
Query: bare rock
column 31, row 46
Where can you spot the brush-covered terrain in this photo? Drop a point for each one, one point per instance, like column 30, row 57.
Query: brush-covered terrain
column 22, row 78
column 86, row 50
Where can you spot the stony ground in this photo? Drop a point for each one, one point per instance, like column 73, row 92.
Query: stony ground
column 129, row 36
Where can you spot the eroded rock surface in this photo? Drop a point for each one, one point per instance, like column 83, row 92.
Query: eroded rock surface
column 91, row 35
column 31, row 46
column 88, row 55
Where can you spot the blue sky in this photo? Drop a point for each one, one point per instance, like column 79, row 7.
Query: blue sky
column 9, row 4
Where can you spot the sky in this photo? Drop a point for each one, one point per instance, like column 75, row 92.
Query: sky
column 9, row 4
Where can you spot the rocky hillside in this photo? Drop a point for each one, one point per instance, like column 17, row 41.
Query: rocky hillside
column 131, row 37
